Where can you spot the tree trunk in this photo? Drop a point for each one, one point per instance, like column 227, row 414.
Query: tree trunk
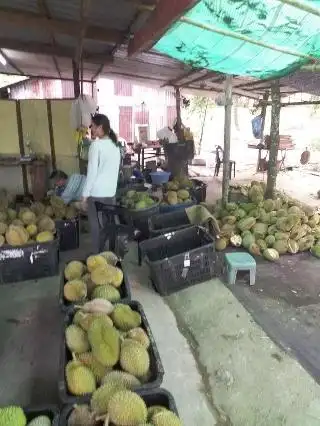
column 274, row 139
column 227, row 137
column 176, row 152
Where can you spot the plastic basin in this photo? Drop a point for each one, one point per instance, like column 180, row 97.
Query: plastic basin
column 158, row 178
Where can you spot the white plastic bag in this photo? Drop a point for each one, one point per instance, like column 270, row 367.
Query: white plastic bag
column 81, row 110
column 167, row 134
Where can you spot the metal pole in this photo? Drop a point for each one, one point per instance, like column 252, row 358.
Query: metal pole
column 274, row 139
column 227, row 138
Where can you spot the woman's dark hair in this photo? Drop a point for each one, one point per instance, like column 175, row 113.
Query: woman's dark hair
column 103, row 120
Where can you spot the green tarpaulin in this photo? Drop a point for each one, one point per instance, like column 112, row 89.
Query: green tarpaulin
column 268, row 21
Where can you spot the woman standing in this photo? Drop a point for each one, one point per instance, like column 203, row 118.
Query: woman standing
column 103, row 170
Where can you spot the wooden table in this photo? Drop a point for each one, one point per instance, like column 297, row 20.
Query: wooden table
column 285, row 145
column 150, row 151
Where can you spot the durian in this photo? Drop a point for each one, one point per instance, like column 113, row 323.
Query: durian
column 12, row 415
column 98, row 305
column 110, row 257
column 101, row 397
column 107, row 292
column 127, row 408
column 107, row 274
column 84, row 319
column 96, row 261
column 140, row 336
column 75, row 290
column 89, row 361
column 81, row 416
column 125, row 318
column 166, row 418
column 74, row 270
column 155, row 409
column 126, row 380
column 40, row 421
column 76, row 339
column 44, row 236
column 134, row 358
column 80, row 379
column 105, row 342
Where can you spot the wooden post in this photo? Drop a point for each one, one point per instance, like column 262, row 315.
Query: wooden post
column 227, row 137
column 76, row 78
column 263, row 116
column 274, row 139
column 178, row 108
column 176, row 153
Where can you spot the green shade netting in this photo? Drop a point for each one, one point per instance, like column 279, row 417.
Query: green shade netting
column 269, row 21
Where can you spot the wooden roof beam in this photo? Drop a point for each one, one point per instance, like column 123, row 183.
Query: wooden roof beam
column 220, row 88
column 48, row 49
column 161, row 18
column 43, row 7
column 175, row 81
column 209, row 75
column 35, row 21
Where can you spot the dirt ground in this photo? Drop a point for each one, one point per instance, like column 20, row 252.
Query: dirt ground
column 302, row 184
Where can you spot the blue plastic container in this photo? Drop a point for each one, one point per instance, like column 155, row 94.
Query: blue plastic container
column 158, row 178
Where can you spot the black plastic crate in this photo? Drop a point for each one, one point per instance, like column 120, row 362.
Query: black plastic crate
column 139, row 218
column 168, row 208
column 156, row 367
column 199, row 190
column 124, row 289
column 168, row 222
column 151, row 397
column 29, row 262
column 50, row 411
column 180, row 259
column 69, row 233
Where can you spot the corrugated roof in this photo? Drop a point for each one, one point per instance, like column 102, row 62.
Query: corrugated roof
column 119, row 15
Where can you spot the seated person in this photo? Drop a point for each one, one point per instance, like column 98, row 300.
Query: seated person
column 68, row 188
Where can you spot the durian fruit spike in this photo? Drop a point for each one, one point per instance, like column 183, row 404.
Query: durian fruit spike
column 127, row 408
column 139, row 335
column 166, row 418
column 97, row 306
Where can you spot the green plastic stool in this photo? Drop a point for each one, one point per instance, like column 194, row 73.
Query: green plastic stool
column 240, row 262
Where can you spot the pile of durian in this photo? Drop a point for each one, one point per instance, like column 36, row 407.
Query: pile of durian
column 55, row 208
column 122, row 407
column 25, row 227
column 98, row 277
column 177, row 191
column 108, row 343
column 15, row 416
column 35, row 223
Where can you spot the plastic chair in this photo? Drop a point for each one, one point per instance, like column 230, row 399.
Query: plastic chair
column 118, row 234
column 240, row 262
